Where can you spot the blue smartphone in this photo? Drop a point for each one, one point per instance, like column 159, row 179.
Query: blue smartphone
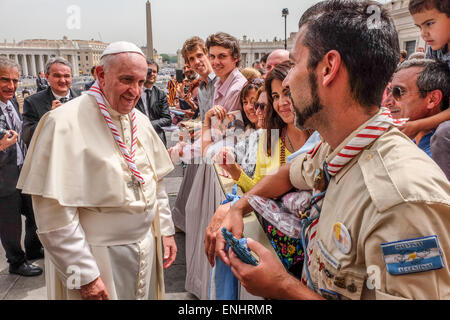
column 239, row 247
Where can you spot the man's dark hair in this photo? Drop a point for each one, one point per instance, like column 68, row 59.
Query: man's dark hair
column 417, row 6
column 222, row 39
column 435, row 75
column 348, row 26
column 264, row 57
column 153, row 62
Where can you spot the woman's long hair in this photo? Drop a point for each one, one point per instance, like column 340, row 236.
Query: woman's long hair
column 273, row 120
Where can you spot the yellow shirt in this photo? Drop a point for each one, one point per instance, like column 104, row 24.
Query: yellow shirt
column 264, row 164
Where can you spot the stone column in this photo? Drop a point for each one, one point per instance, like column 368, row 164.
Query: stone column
column 41, row 63
column 24, row 65
column 74, row 62
column 149, row 31
column 33, row 66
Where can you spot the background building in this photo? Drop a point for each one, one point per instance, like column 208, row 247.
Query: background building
column 408, row 34
column 33, row 54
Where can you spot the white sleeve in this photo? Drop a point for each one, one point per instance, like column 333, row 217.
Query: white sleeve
column 165, row 215
column 64, row 240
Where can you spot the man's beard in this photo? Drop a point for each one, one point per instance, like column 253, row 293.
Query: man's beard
column 314, row 107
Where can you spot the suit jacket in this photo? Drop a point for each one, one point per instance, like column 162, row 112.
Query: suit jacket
column 41, row 84
column 9, row 172
column 34, row 107
column 159, row 112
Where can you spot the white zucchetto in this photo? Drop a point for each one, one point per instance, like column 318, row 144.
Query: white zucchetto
column 120, row 47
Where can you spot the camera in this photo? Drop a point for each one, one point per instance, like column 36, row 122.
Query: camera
column 186, row 89
column 3, row 126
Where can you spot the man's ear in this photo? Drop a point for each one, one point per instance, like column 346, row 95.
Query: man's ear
column 434, row 99
column 100, row 75
column 331, row 64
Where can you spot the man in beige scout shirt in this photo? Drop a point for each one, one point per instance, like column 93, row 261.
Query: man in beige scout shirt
column 95, row 170
column 380, row 228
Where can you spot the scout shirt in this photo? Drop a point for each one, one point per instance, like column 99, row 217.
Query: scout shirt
column 391, row 205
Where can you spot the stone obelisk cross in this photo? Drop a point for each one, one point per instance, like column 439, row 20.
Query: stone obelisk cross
column 149, row 32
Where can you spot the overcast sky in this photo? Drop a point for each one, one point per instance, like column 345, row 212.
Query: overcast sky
column 174, row 21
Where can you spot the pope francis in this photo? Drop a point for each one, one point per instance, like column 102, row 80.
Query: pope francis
column 95, row 170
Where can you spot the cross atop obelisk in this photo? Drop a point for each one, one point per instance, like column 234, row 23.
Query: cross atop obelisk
column 149, row 32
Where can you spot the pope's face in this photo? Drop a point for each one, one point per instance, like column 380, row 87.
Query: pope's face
column 122, row 82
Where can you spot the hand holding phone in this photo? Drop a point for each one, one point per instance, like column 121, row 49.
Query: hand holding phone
column 239, row 247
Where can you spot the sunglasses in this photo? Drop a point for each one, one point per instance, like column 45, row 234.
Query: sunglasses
column 149, row 71
column 398, row 93
column 258, row 105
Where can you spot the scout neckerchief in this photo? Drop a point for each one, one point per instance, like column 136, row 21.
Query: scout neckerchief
column 372, row 131
column 129, row 158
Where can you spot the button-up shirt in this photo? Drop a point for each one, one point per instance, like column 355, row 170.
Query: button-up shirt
column 227, row 93
column 206, row 94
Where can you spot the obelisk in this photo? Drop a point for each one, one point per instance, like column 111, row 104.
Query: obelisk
column 149, row 32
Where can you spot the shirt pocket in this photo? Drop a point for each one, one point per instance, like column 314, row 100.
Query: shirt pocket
column 336, row 281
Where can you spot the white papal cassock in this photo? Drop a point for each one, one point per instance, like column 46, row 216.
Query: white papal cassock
column 91, row 221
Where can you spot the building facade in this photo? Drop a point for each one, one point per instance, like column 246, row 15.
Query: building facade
column 408, row 34
column 33, row 54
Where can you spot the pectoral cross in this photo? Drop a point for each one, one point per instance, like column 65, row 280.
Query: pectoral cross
column 134, row 184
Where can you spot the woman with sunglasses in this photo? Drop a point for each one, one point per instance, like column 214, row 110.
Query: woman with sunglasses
column 280, row 139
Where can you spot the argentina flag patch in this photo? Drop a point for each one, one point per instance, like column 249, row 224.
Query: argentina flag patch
column 412, row 255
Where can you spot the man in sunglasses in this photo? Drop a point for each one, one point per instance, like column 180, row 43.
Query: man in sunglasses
column 153, row 102
column 420, row 89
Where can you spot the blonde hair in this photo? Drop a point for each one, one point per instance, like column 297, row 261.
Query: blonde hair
column 251, row 73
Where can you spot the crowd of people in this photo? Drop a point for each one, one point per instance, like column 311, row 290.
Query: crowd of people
column 345, row 135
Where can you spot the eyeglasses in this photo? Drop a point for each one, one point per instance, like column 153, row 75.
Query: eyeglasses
column 398, row 93
column 258, row 105
column 149, row 71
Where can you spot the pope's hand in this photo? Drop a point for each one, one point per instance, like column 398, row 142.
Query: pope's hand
column 211, row 231
column 96, row 290
column 170, row 250
column 263, row 280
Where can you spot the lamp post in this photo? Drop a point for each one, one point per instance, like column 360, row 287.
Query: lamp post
column 284, row 13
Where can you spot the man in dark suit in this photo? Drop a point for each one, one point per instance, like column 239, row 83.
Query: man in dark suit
column 153, row 102
column 12, row 202
column 41, row 82
column 58, row 72
column 88, row 85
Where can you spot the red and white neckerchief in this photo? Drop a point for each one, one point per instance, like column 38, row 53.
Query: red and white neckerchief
column 372, row 131
column 129, row 158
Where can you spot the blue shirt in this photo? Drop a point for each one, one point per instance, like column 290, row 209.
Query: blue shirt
column 424, row 143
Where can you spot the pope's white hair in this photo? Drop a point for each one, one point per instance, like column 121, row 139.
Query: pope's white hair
column 107, row 61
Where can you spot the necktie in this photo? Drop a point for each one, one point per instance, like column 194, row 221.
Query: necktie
column 63, row 100
column 148, row 92
column 17, row 127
